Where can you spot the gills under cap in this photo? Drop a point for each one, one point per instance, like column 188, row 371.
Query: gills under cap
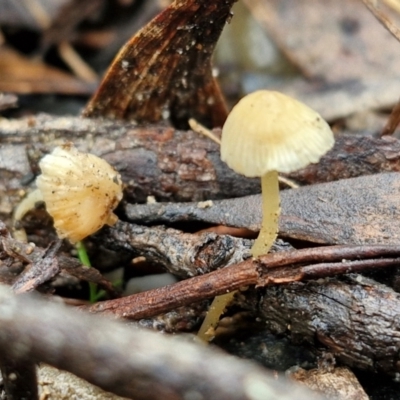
column 269, row 131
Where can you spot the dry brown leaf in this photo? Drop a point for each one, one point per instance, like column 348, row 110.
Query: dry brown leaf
column 331, row 40
column 164, row 72
column 19, row 74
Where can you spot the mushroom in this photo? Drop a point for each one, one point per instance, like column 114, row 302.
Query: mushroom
column 265, row 133
column 80, row 191
column 269, row 132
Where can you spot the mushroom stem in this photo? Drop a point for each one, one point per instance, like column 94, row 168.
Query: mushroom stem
column 210, row 322
column 262, row 245
column 84, row 259
column 270, row 212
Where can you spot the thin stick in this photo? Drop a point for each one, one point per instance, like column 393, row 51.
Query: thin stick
column 382, row 18
column 275, row 268
column 38, row 12
column 75, row 62
column 198, row 128
column 392, row 122
column 288, row 182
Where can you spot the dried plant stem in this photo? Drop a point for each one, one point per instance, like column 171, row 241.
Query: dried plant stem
column 76, row 63
column 382, row 18
column 198, row 128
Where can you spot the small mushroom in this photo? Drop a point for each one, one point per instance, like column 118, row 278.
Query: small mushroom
column 268, row 132
column 80, row 191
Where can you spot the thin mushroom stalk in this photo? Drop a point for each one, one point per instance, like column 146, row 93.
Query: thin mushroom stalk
column 262, row 245
column 270, row 212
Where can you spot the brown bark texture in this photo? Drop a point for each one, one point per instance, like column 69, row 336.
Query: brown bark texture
column 363, row 210
column 357, row 321
column 168, row 164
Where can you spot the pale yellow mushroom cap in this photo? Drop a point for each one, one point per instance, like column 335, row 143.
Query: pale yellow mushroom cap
column 80, row 191
column 269, row 131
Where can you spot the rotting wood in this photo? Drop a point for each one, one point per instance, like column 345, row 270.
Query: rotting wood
column 29, row 254
column 168, row 164
column 363, row 210
column 182, row 254
column 354, row 317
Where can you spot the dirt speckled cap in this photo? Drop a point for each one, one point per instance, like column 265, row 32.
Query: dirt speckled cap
column 80, row 191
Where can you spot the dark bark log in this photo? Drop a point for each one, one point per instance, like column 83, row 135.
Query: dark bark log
column 153, row 160
column 364, row 210
column 131, row 363
column 353, row 155
column 168, row 164
column 357, row 320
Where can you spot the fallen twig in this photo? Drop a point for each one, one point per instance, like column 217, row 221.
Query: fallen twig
column 382, row 18
column 28, row 253
column 392, row 122
column 282, row 267
column 182, row 254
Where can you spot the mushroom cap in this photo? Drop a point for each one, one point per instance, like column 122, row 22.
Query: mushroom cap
column 269, row 131
column 80, row 191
